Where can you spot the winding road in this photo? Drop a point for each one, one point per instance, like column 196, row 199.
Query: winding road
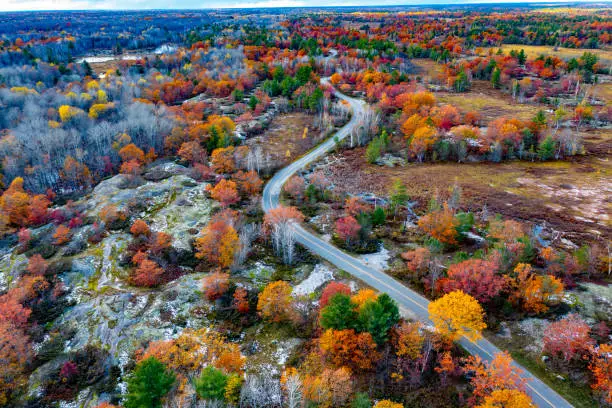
column 408, row 300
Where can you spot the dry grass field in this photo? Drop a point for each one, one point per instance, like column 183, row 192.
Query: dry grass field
column 534, row 51
column 490, row 103
column 284, row 140
column 571, row 196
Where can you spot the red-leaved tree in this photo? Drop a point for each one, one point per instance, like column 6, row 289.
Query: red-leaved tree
column 568, row 337
column 475, row 277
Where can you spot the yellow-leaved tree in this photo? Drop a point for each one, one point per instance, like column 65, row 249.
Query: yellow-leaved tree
column 457, row 314
column 275, row 302
column 507, row 398
column 67, row 112
column 388, row 404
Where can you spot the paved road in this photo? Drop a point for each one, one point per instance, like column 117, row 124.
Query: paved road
column 408, row 299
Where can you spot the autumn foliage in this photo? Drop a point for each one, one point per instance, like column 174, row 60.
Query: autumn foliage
column 215, row 285
column 457, row 314
column 499, row 374
column 568, row 338
column 441, row 225
column 225, row 192
column 147, row 273
column 478, row 278
column 330, row 290
column 601, row 368
column 276, row 303
column 347, row 348
column 218, row 243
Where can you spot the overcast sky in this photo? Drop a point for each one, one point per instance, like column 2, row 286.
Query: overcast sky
column 15, row 5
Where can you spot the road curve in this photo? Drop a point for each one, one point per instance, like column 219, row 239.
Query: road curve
column 542, row 395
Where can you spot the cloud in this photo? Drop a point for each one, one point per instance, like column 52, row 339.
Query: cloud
column 37, row 5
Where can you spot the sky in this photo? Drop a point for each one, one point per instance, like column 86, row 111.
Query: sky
column 17, row 5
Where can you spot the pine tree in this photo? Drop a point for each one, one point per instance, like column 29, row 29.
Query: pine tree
column 378, row 317
column 339, row 314
column 211, row 384
column 399, row 195
column 496, row 78
column 148, row 384
column 373, row 151
column 546, row 150
column 522, row 57
column 378, row 216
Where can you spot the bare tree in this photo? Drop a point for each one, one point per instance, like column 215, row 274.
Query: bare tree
column 247, row 235
column 293, row 391
column 260, row 391
column 283, row 241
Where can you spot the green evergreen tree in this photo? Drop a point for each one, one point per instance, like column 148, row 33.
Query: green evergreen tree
column 361, row 400
column 253, row 101
column 522, row 57
column 462, row 83
column 373, row 151
column 540, row 119
column 303, row 74
column 496, row 78
column 378, row 317
column 279, row 73
column 378, row 216
column 211, row 384
column 312, row 194
column 237, row 95
column 339, row 313
column 399, row 195
column 546, row 150
column 148, row 384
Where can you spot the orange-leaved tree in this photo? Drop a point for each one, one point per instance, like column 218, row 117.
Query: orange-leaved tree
column 249, row 183
column 147, row 273
column 225, row 192
column 601, row 368
column 441, row 224
column 140, row 228
column 223, row 160
column 15, row 354
column 61, row 235
column 499, row 374
column 423, row 139
column 218, row 243
column 15, row 204
column 241, row 300
column 215, row 285
column 350, row 349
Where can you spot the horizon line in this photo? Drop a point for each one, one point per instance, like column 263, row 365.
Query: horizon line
column 254, row 5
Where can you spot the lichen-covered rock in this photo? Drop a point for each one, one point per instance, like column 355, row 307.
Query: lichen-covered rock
column 11, row 267
column 187, row 211
column 595, row 300
column 165, row 170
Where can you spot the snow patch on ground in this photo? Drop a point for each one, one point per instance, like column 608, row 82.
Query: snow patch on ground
column 378, row 260
column 319, row 276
